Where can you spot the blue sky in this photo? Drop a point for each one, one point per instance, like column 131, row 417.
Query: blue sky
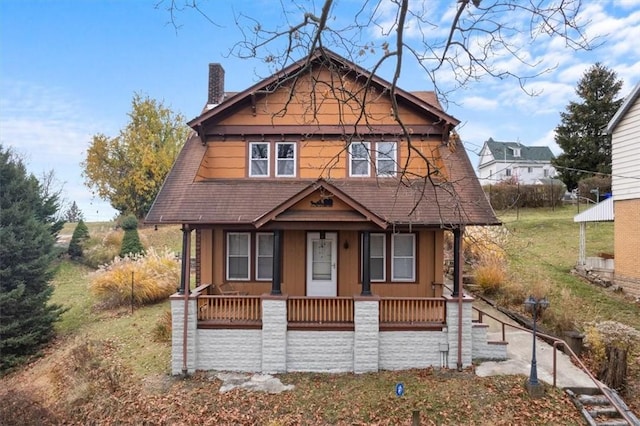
column 69, row 69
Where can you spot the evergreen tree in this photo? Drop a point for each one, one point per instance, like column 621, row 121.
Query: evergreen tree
column 27, row 233
column 581, row 133
column 80, row 235
column 73, row 213
column 131, row 241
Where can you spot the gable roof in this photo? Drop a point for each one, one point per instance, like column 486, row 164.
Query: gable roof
column 626, row 105
column 503, row 151
column 420, row 99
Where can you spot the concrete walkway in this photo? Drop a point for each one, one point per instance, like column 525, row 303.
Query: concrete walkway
column 519, row 352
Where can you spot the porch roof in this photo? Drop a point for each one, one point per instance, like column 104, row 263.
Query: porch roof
column 384, row 202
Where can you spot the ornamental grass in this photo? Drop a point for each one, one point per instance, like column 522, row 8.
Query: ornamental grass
column 146, row 278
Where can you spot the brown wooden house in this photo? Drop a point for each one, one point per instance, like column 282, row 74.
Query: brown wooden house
column 312, row 186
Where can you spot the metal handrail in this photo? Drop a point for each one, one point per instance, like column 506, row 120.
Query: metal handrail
column 557, row 342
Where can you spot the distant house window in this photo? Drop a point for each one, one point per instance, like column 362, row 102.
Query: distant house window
column 529, row 169
column 264, row 256
column 403, row 257
column 546, row 172
column 516, row 152
column 285, row 159
column 386, row 158
column 259, row 159
column 359, row 159
column 238, row 259
column 507, row 172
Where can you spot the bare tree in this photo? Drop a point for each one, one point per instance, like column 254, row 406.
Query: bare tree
column 469, row 41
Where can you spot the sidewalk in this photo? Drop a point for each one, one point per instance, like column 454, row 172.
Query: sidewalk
column 519, row 352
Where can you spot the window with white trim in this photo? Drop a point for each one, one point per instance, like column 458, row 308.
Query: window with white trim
column 377, row 257
column 264, row 256
column 359, row 164
column 403, row 257
column 386, row 158
column 238, row 258
column 258, row 159
column 285, row 159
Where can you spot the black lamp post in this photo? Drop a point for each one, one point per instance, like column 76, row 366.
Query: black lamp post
column 535, row 307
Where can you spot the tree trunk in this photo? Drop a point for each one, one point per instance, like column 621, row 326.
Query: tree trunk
column 614, row 372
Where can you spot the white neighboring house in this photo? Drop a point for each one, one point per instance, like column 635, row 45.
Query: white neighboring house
column 624, row 129
column 513, row 161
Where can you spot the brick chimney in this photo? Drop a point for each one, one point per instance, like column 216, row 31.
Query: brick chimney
column 216, row 85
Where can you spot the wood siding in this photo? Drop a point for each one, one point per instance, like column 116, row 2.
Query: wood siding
column 626, row 155
column 429, row 264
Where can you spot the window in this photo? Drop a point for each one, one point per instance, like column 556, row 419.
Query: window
column 377, row 262
column 259, row 159
column 238, row 259
column 546, row 172
column 386, row 158
column 507, row 172
column 285, row 159
column 359, row 158
column 403, row 256
column 529, row 169
column 264, row 257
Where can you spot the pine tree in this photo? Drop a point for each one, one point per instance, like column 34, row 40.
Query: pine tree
column 73, row 213
column 27, row 232
column 581, row 133
column 80, row 235
column 131, row 241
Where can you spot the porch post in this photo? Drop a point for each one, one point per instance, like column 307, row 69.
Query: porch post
column 185, row 273
column 277, row 263
column 366, row 268
column 457, row 238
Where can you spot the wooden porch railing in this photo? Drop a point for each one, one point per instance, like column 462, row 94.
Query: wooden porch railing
column 408, row 310
column 227, row 309
column 320, row 310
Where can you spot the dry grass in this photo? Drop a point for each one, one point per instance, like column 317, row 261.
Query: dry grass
column 142, row 278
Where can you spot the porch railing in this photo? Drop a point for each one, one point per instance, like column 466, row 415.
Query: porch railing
column 320, row 310
column 228, row 309
column 409, row 311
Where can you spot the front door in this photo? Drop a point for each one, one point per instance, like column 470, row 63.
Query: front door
column 322, row 254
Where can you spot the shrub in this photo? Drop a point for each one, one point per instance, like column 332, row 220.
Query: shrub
column 131, row 244
column 99, row 251
column 154, row 278
column 80, row 235
column 162, row 330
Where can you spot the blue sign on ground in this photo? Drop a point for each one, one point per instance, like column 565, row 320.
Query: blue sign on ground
column 399, row 389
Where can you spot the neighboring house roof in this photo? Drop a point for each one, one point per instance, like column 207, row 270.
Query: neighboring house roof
column 503, row 151
column 628, row 103
column 601, row 212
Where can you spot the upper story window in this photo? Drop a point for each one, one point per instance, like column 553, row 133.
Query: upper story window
column 259, row 159
column 285, row 159
column 361, row 156
column 515, row 151
column 262, row 162
column 359, row 159
column 386, row 158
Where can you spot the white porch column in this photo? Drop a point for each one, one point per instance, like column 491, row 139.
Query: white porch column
column 274, row 334
column 456, row 339
column 178, row 362
column 366, row 333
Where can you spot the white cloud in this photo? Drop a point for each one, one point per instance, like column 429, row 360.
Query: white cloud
column 478, row 102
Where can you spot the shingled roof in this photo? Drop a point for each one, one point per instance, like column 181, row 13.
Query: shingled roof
column 503, row 151
column 382, row 203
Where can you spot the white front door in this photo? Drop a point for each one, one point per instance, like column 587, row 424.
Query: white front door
column 321, row 264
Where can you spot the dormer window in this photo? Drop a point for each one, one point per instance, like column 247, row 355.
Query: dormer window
column 285, row 159
column 262, row 161
column 516, row 151
column 384, row 155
